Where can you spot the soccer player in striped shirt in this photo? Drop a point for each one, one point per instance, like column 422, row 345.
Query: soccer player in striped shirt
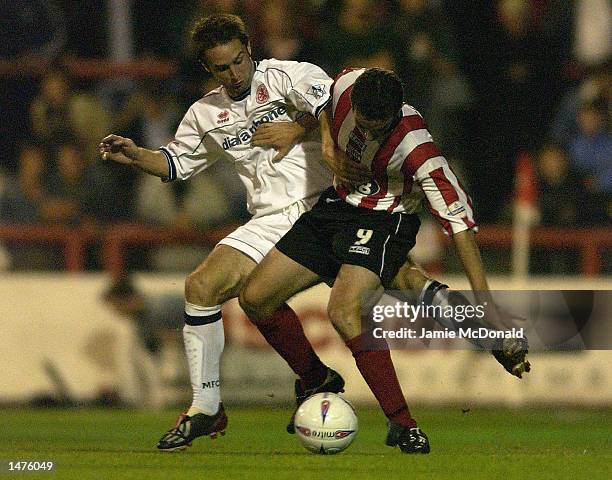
column 359, row 235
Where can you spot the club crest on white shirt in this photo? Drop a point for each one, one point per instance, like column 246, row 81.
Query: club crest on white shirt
column 262, row 95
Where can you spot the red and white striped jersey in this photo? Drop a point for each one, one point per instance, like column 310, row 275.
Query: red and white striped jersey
column 406, row 167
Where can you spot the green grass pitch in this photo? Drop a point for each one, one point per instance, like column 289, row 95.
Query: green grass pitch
column 480, row 444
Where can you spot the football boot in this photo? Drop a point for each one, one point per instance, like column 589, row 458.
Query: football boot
column 188, row 428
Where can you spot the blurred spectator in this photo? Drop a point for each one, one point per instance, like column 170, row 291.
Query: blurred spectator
column 48, row 189
column 591, row 154
column 24, row 192
column 111, row 193
column 182, row 206
column 59, row 111
column 279, row 30
column 158, row 321
column 57, row 188
column 150, row 115
column 49, row 111
column 427, row 63
column 149, row 39
column 358, row 31
column 563, row 202
column 561, row 191
column 426, row 52
column 33, row 31
column 22, row 201
column 32, row 36
column 578, row 33
column 596, row 87
column 67, row 186
column 521, row 80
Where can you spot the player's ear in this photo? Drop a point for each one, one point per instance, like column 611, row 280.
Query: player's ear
column 248, row 47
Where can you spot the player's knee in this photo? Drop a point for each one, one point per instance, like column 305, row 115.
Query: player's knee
column 409, row 277
column 203, row 288
column 197, row 288
column 254, row 304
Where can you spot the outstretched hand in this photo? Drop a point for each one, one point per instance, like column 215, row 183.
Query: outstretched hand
column 118, row 149
column 279, row 135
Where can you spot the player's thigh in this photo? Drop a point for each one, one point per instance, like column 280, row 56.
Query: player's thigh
column 355, row 291
column 222, row 274
column 274, row 281
column 219, row 277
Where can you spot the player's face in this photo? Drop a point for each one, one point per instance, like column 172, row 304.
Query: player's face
column 231, row 65
column 373, row 129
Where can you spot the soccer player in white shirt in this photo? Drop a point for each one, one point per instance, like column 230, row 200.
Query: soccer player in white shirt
column 253, row 120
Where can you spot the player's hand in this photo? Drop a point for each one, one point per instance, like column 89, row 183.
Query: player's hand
column 344, row 168
column 279, row 135
column 118, row 149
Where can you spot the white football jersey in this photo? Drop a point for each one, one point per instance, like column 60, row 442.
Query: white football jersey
column 219, row 127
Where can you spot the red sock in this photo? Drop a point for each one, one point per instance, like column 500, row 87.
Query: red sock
column 378, row 371
column 284, row 332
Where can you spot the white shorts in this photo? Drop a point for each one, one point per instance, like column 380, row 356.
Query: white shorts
column 257, row 237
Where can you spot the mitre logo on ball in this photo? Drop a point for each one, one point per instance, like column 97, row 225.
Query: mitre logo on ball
column 325, row 423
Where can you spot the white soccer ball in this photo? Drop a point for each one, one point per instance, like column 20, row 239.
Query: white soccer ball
column 326, row 423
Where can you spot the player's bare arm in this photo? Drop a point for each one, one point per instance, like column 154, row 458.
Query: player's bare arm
column 280, row 135
column 283, row 135
column 124, row 151
column 338, row 162
column 469, row 254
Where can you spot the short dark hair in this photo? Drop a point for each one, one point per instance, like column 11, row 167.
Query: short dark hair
column 218, row 29
column 377, row 94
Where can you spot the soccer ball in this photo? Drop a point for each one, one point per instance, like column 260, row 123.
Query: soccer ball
column 326, row 423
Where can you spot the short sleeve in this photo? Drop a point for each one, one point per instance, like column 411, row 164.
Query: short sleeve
column 187, row 153
column 304, row 85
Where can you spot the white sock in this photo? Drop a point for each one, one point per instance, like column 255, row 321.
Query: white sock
column 204, row 341
column 436, row 293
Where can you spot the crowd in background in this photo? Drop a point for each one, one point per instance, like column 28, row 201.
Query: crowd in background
column 492, row 78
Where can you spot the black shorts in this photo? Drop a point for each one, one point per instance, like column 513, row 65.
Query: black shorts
column 334, row 233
